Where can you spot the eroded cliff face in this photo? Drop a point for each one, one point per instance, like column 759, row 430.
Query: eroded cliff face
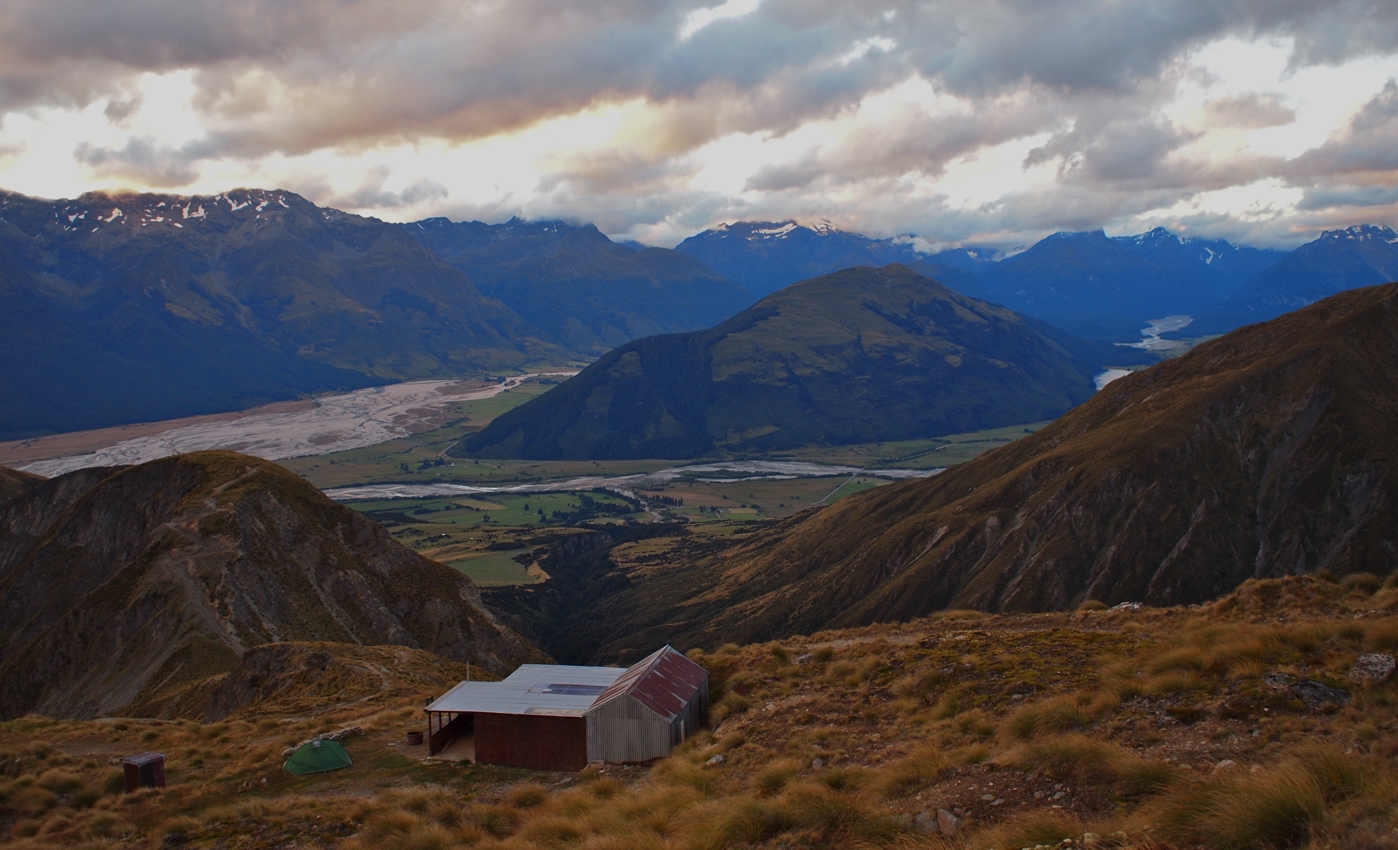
column 118, row 585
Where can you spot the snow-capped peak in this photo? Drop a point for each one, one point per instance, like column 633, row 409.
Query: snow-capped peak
column 1363, row 233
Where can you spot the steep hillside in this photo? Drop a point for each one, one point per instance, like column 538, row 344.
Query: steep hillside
column 766, row 256
column 857, row 356
column 584, row 290
column 128, row 308
column 121, row 586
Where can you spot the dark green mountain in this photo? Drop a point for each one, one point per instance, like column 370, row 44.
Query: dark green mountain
column 584, row 290
column 860, row 355
column 121, row 308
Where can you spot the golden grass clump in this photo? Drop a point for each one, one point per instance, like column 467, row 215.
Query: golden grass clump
column 527, row 796
column 1093, row 761
column 773, row 778
column 1057, row 714
column 1032, row 829
column 911, row 773
column 1285, row 805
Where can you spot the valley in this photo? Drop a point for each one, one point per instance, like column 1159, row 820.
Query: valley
column 334, row 423
column 729, row 425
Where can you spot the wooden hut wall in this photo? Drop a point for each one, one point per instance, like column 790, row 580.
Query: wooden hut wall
column 537, row 741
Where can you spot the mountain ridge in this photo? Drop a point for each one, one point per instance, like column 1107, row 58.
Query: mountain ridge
column 856, row 356
column 121, row 585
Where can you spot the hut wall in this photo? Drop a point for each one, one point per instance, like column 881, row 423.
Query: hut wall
column 623, row 730
column 537, row 741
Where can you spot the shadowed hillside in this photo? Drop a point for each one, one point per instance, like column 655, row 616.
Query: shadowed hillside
column 1268, row 452
column 1265, row 453
column 120, row 587
column 857, row 356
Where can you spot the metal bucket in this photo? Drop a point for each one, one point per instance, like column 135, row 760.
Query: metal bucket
column 415, row 738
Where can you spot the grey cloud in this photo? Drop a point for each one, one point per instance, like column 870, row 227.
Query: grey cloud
column 296, row 75
column 1368, row 146
column 1249, row 112
column 1332, row 197
column 142, row 159
column 913, row 143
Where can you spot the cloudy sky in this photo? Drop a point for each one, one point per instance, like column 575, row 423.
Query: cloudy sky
column 968, row 121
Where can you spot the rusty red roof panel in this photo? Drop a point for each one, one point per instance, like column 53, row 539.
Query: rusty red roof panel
column 664, row 681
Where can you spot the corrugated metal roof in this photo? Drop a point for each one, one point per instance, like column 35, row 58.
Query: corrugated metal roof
column 664, row 681
column 553, row 689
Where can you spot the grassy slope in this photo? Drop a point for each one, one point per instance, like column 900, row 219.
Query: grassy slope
column 1111, row 729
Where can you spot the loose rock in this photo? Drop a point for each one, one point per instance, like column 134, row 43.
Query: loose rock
column 947, row 823
column 925, row 824
column 1317, row 695
column 717, row 759
column 1371, row 669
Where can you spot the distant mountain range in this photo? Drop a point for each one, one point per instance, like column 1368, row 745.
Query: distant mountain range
column 860, row 355
column 131, row 308
column 583, row 290
column 128, row 308
column 1266, row 453
column 123, row 589
column 1086, row 283
column 1363, row 255
column 766, row 256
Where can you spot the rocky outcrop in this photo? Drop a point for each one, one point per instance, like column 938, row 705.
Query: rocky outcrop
column 117, row 585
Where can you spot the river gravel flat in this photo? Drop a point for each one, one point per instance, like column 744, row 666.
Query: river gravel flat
column 745, row 470
column 335, row 423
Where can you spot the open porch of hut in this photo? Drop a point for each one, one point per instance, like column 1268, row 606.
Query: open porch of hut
column 557, row 717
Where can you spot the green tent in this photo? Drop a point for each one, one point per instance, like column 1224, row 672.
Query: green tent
column 318, row 757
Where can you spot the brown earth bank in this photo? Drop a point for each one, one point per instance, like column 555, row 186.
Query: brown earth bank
column 1272, row 451
column 120, row 588
column 1244, row 724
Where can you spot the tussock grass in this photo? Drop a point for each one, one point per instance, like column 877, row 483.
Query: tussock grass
column 1282, row 806
column 1058, row 714
column 772, row 779
column 1033, row 829
column 1093, row 761
column 527, row 796
column 935, row 708
column 911, row 773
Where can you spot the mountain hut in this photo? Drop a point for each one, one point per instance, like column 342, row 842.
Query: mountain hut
column 557, row 717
